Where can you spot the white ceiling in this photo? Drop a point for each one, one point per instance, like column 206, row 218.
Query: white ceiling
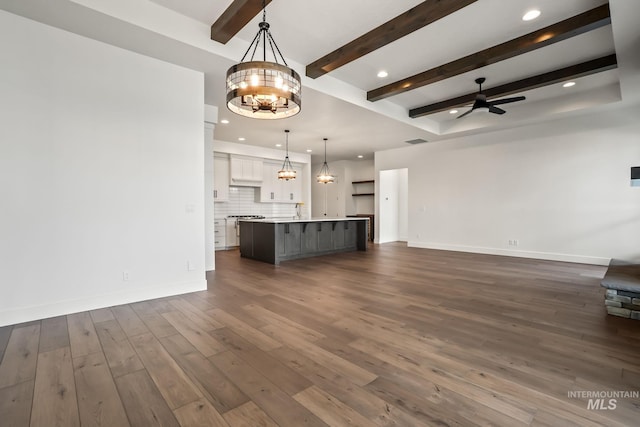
column 334, row 105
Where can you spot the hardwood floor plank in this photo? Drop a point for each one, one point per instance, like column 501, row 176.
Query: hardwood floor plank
column 54, row 393
column 199, row 338
column 129, row 320
column 282, row 323
column 329, row 409
column 380, row 412
column 120, row 355
column 248, row 415
column 158, row 325
column 277, row 404
column 15, row 404
column 143, row 402
column 98, row 399
column 519, row 411
column 5, row 333
column 173, row 383
column 282, row 376
column 397, row 337
column 21, row 355
column 254, row 336
column 54, row 334
column 201, row 319
column 199, row 414
column 223, row 394
column 355, row 373
column 101, row 315
column 82, row 335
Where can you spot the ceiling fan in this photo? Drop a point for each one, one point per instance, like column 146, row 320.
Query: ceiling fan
column 481, row 103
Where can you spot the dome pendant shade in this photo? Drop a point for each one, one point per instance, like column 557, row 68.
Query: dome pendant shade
column 324, row 175
column 263, row 89
column 287, row 172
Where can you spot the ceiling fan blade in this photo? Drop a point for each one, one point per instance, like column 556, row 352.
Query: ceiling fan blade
column 464, row 114
column 496, row 110
column 507, row 100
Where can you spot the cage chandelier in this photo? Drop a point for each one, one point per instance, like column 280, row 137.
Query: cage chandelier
column 263, row 89
column 324, row 176
column 287, row 172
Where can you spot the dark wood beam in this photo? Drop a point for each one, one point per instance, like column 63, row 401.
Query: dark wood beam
column 579, row 24
column 572, row 72
column 232, row 20
column 415, row 18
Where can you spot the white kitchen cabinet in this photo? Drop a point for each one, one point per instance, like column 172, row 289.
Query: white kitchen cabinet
column 220, row 178
column 246, row 171
column 274, row 190
column 219, row 234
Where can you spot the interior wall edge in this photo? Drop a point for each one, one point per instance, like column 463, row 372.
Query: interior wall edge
column 548, row 256
column 94, row 302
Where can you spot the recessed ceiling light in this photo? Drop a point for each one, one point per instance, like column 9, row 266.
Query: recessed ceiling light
column 224, row 121
column 569, row 84
column 241, row 139
column 382, row 74
column 453, row 111
column 360, row 156
column 308, row 151
column 278, row 145
column 531, row 15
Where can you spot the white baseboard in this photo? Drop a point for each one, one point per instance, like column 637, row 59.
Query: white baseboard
column 59, row 308
column 549, row 256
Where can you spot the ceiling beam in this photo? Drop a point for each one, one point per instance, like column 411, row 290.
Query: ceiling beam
column 572, row 72
column 413, row 19
column 232, row 20
column 579, row 24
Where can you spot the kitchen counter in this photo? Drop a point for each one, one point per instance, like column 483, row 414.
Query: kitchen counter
column 293, row 220
column 276, row 240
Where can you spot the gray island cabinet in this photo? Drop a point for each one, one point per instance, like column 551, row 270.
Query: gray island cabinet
column 280, row 240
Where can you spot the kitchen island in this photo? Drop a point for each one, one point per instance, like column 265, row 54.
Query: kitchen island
column 275, row 240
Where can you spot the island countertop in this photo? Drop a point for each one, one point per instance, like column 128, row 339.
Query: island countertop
column 294, row 220
column 280, row 239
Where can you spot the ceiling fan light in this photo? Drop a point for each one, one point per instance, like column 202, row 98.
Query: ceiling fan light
column 481, row 109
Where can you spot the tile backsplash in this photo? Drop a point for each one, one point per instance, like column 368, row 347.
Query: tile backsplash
column 242, row 201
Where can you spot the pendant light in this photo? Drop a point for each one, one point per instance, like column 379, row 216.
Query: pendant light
column 324, row 176
column 263, row 89
column 287, row 172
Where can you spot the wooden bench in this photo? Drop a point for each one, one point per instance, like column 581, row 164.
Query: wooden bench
column 622, row 297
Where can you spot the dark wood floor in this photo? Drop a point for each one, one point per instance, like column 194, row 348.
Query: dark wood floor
column 394, row 336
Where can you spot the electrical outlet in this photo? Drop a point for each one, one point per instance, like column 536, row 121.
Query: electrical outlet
column 125, row 276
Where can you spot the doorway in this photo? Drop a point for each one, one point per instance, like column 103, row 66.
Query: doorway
column 393, row 205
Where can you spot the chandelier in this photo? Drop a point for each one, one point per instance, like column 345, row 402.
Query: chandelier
column 263, row 89
column 324, row 176
column 287, row 172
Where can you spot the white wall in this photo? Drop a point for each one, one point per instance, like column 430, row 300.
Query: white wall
column 560, row 189
column 340, row 201
column 102, row 171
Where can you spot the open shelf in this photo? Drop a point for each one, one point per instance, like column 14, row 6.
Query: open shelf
column 369, row 181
